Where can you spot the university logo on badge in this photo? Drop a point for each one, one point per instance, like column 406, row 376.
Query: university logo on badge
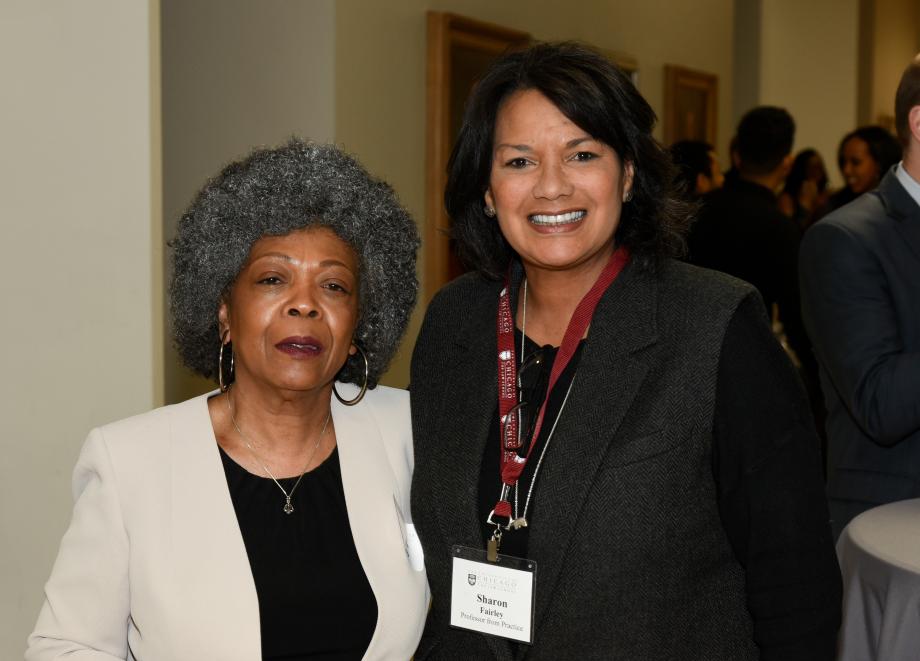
column 471, row 579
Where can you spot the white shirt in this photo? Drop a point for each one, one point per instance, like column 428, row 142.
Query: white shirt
column 910, row 184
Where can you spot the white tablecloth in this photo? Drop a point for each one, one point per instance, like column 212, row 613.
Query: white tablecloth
column 879, row 555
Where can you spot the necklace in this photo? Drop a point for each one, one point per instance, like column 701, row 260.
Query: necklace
column 521, row 521
column 288, row 507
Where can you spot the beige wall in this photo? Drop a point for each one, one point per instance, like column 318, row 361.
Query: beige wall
column 895, row 40
column 78, row 275
column 237, row 74
column 808, row 62
column 380, row 72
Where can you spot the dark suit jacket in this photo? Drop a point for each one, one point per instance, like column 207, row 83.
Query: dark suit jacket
column 741, row 231
column 632, row 560
column 860, row 280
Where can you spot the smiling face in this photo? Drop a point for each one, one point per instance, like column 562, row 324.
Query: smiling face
column 557, row 192
column 292, row 310
column 859, row 169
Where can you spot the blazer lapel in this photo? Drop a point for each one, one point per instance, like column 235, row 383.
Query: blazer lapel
column 212, row 578
column 608, row 377
column 374, row 506
column 903, row 209
column 467, row 411
column 468, row 405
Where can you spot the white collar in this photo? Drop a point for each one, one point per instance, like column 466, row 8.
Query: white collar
column 910, row 184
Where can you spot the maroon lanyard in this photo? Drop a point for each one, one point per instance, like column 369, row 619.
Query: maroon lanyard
column 512, row 465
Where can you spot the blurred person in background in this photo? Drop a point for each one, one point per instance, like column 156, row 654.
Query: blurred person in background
column 697, row 167
column 864, row 157
column 805, row 192
column 741, row 231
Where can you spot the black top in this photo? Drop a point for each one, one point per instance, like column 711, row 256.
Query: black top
column 314, row 599
column 742, row 232
column 839, row 199
column 751, row 467
column 514, row 542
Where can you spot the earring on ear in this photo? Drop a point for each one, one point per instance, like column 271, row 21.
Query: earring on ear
column 490, row 212
column 225, row 383
column 628, row 196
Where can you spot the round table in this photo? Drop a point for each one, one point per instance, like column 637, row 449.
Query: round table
column 879, row 553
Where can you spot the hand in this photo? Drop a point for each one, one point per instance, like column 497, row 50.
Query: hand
column 808, row 194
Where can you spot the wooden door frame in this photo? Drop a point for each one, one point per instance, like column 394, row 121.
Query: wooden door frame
column 676, row 77
column 444, row 31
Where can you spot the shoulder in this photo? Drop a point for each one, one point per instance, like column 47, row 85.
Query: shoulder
column 470, row 289
column 857, row 217
column 389, row 409
column 157, row 423
column 464, row 307
column 137, row 451
column 850, row 230
column 689, row 287
column 679, row 304
column 144, row 439
column 384, row 400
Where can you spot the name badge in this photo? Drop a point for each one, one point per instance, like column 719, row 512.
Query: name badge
column 495, row 598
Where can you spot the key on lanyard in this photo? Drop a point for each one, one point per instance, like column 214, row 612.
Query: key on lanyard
column 494, row 543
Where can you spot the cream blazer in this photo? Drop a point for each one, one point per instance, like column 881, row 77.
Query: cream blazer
column 153, row 566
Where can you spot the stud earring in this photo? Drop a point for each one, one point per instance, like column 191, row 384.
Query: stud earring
column 490, row 212
column 628, row 196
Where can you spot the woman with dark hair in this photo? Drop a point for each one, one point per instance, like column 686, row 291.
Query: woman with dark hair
column 805, row 191
column 267, row 519
column 864, row 156
column 614, row 458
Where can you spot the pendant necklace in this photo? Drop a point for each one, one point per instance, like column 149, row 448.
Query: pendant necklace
column 288, row 507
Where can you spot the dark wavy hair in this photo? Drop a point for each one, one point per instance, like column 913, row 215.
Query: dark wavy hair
column 691, row 158
column 798, row 173
column 884, row 148
column 599, row 98
column 273, row 192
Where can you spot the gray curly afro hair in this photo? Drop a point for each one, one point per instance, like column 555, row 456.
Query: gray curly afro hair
column 273, row 192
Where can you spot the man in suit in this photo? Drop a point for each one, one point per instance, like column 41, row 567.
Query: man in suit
column 741, row 231
column 860, row 269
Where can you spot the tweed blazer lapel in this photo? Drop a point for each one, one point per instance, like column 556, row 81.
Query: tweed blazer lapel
column 902, row 208
column 609, row 375
column 466, row 414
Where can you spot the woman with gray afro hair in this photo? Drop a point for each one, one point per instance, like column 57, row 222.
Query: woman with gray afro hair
column 225, row 526
column 274, row 192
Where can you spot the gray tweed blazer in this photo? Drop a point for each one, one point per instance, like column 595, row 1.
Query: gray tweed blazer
column 633, row 562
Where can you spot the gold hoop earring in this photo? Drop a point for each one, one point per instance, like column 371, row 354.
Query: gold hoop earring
column 367, row 373
column 224, row 386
